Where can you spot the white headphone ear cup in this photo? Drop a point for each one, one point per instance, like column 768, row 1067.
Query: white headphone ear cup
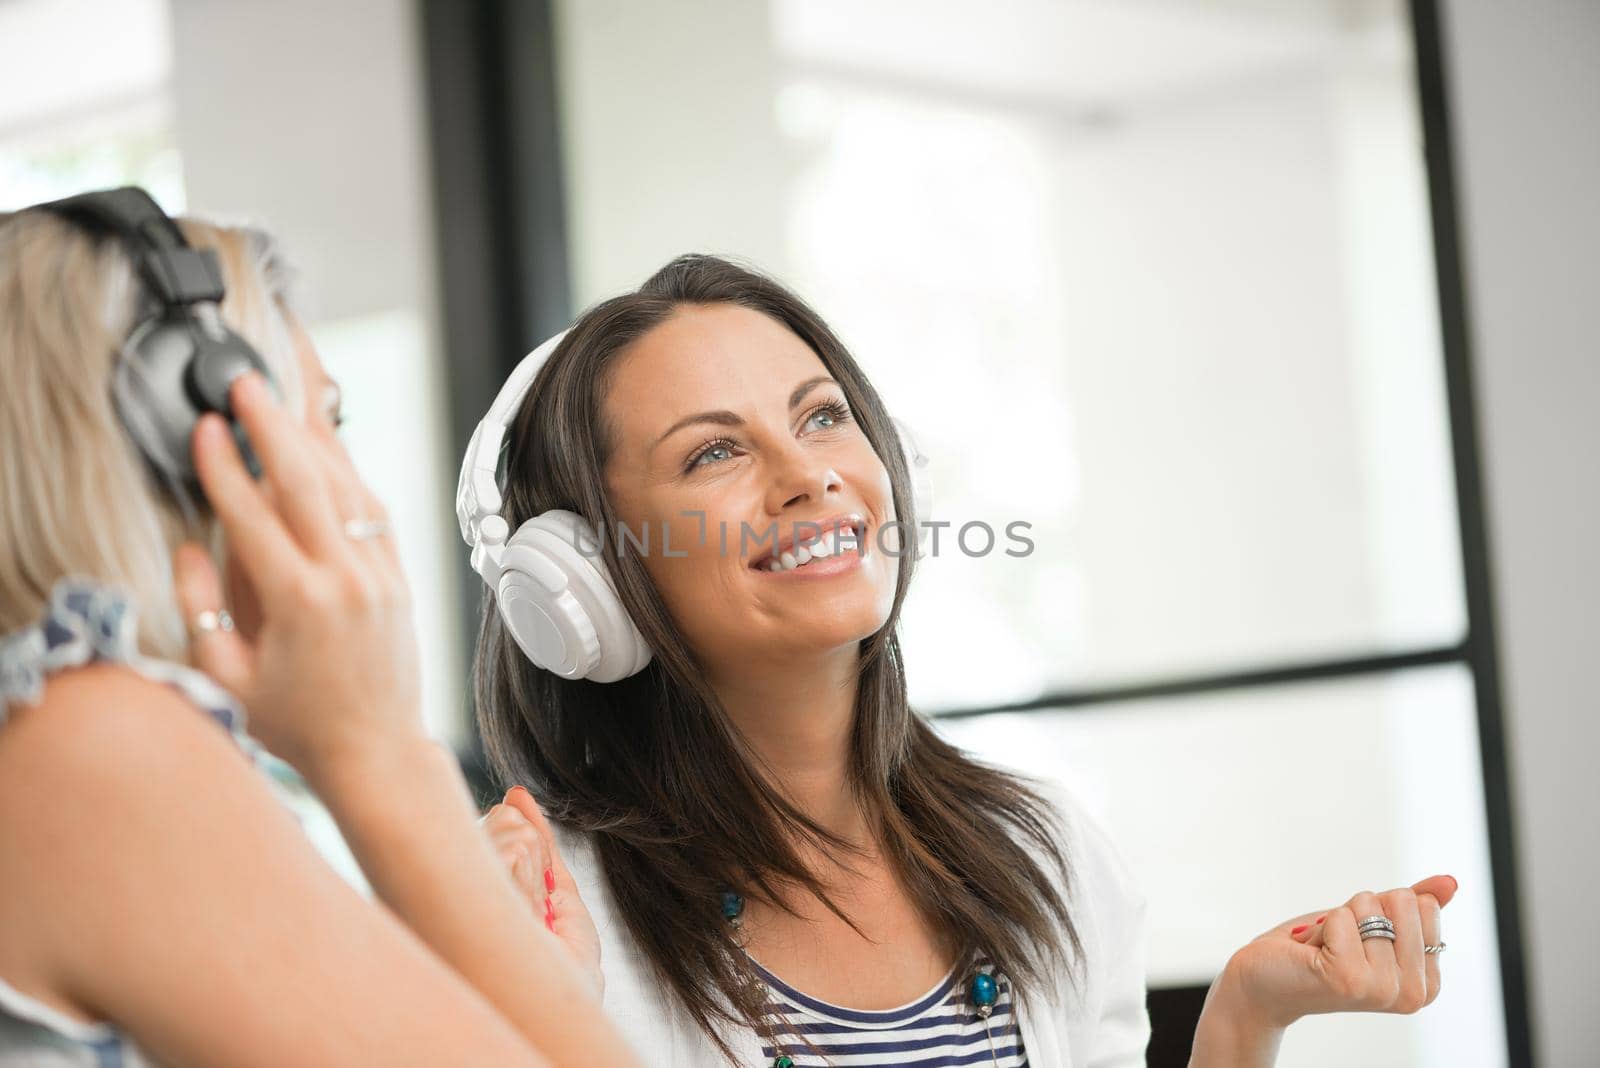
column 921, row 480
column 560, row 605
column 545, row 623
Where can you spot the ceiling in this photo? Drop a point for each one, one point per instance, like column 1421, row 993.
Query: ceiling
column 1100, row 54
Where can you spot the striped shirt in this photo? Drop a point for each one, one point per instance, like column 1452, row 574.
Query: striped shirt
column 938, row 1030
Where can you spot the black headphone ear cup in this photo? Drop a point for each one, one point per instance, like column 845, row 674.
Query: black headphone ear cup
column 170, row 373
column 151, row 395
column 217, row 362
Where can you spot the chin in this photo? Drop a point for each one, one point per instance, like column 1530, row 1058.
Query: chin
column 842, row 626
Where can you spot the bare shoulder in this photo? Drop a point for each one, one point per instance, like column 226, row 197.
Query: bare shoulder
column 93, row 778
column 99, row 730
column 153, row 878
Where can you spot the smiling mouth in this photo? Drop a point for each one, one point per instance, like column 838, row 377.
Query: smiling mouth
column 844, row 536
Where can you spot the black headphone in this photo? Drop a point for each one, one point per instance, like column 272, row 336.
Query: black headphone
column 179, row 361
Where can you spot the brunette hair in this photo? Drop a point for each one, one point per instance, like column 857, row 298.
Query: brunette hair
column 654, row 770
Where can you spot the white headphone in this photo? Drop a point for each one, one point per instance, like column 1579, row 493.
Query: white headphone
column 558, row 602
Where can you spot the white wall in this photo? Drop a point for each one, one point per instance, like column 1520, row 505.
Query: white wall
column 1525, row 103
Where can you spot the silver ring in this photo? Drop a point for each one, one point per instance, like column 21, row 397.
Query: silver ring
column 209, row 621
column 1375, row 921
column 365, row 529
column 1434, row 949
column 1377, row 932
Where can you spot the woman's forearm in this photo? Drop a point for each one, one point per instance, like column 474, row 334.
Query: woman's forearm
column 1229, row 1034
column 406, row 813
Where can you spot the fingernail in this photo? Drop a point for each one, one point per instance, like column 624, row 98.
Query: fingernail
column 550, row 880
column 549, row 911
column 550, row 921
column 1297, row 930
column 1321, row 918
column 1454, row 886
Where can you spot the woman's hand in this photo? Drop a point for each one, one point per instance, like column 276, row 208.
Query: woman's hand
column 331, row 668
column 522, row 838
column 1318, row 963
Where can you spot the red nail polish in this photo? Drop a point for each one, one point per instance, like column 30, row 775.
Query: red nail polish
column 550, row 880
column 550, row 921
column 549, row 909
column 1321, row 918
column 1297, row 930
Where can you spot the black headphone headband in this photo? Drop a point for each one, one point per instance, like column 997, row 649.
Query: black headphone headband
column 176, row 274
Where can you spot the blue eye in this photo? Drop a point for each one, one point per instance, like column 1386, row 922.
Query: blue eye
column 707, row 448
column 834, row 412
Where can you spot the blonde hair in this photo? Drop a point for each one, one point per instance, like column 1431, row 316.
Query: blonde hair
column 76, row 496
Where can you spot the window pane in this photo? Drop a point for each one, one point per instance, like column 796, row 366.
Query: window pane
column 105, row 119
column 393, row 430
column 1239, row 809
column 1182, row 322
column 1154, row 278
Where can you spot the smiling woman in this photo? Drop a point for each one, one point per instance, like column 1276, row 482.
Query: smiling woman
column 771, row 855
column 766, row 755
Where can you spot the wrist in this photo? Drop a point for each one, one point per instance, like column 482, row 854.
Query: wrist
column 1233, row 1030
column 356, row 767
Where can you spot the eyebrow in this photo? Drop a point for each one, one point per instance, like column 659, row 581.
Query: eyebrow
column 723, row 417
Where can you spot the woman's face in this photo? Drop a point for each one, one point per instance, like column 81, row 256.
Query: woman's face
column 728, row 430
column 318, row 406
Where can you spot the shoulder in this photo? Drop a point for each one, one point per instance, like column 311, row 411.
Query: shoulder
column 101, row 768
column 1101, row 1017
column 618, row 957
column 1101, row 880
column 99, row 725
column 625, row 965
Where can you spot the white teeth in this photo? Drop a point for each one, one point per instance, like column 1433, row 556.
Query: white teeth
column 842, row 539
column 788, row 561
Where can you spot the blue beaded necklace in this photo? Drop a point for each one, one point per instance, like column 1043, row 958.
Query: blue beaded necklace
column 983, row 990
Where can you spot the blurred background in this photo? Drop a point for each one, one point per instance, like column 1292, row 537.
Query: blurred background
column 1267, row 315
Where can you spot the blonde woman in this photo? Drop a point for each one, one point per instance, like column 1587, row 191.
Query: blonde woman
column 160, row 904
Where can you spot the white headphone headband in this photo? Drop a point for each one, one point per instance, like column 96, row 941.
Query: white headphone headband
column 478, row 490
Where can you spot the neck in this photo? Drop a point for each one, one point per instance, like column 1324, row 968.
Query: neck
column 798, row 714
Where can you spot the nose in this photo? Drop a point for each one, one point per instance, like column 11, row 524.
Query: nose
column 800, row 476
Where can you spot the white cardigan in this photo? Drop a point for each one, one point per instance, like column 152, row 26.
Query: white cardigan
column 1104, row 1026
